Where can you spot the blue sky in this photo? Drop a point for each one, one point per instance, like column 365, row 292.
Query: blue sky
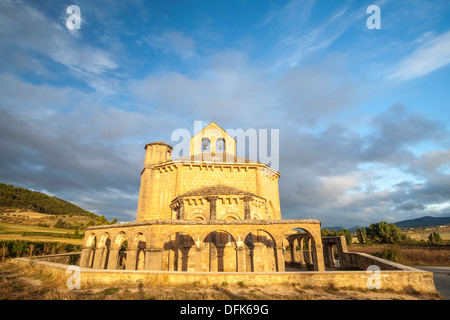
column 362, row 113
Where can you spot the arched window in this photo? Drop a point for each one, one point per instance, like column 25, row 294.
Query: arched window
column 205, row 145
column 220, row 145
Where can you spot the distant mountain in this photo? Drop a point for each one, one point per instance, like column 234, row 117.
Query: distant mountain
column 423, row 222
column 355, row 228
column 334, row 228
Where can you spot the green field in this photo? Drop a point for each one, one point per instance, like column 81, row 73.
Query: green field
column 35, row 233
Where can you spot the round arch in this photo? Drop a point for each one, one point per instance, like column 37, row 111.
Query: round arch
column 176, row 256
column 309, row 252
column 198, row 216
column 219, row 250
column 261, row 251
column 91, row 240
column 230, row 216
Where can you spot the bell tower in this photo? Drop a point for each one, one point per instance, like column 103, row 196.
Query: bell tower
column 155, row 153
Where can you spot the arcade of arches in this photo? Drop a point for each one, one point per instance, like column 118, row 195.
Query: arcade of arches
column 203, row 246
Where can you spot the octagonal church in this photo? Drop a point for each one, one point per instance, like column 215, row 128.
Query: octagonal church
column 208, row 212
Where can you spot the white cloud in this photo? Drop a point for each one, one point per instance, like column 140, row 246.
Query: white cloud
column 172, row 42
column 26, row 30
column 429, row 56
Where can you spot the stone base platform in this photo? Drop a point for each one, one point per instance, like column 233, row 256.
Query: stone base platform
column 399, row 280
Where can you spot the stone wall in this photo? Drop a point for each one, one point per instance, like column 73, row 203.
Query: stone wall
column 350, row 260
column 63, row 258
column 398, row 280
column 162, row 183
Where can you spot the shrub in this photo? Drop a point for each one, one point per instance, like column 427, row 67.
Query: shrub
column 435, row 238
column 384, row 232
column 390, row 254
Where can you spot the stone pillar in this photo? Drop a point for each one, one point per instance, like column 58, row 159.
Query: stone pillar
column 280, row 259
column 248, row 259
column 318, row 257
column 198, row 257
column 240, row 252
column 220, row 262
column 308, row 245
column 213, row 263
column 131, row 259
column 85, row 255
column 292, row 245
column 181, row 203
column 98, row 258
column 300, row 246
column 153, row 259
column 247, row 215
column 259, row 258
column 212, row 208
column 113, row 260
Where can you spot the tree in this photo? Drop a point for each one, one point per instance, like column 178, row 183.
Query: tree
column 347, row 234
column 60, row 224
column 435, row 238
column 384, row 232
column 361, row 235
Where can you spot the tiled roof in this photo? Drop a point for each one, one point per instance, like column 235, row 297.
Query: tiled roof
column 218, row 189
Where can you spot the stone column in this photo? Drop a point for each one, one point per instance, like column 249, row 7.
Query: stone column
column 247, row 215
column 318, row 257
column 292, row 245
column 248, row 259
column 131, row 259
column 280, row 259
column 198, row 257
column 300, row 246
column 153, row 259
column 113, row 260
column 220, row 262
column 212, row 208
column 85, row 255
column 240, row 252
column 308, row 245
column 98, row 258
column 259, row 258
column 213, row 263
column 181, row 203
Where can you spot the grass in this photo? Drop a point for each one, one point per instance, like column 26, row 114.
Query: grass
column 10, row 231
column 8, row 228
column 26, row 281
column 411, row 255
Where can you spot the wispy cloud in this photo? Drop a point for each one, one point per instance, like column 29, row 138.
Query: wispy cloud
column 172, row 42
column 27, row 31
column 428, row 57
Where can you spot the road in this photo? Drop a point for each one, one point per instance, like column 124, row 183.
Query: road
column 441, row 276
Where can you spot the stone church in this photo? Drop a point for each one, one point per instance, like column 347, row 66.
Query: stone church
column 208, row 212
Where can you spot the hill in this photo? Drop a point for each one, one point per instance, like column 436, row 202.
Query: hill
column 19, row 198
column 423, row 222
